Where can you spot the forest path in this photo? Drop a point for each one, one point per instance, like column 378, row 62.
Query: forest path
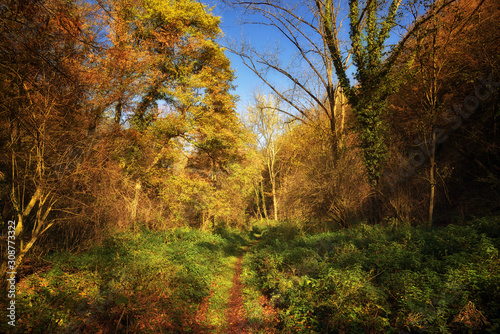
column 231, row 308
column 248, row 311
column 235, row 313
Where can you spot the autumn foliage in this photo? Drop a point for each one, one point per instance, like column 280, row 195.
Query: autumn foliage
column 120, row 142
column 115, row 113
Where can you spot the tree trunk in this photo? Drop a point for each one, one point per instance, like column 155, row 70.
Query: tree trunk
column 22, row 252
column 376, row 204
column 275, row 201
column 38, row 229
column 342, row 115
column 433, row 104
column 432, row 179
column 21, row 214
column 257, row 197
column 332, row 97
column 118, row 111
column 264, row 208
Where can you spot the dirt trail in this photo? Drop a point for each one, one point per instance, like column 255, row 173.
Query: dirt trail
column 235, row 315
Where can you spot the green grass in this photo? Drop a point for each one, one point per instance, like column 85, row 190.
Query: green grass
column 216, row 315
column 259, row 320
column 151, row 282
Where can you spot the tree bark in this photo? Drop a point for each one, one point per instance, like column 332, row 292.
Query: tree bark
column 432, row 179
column 275, row 201
column 257, row 197
column 263, row 200
column 118, row 111
column 433, row 104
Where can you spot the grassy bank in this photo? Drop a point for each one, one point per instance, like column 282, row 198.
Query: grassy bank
column 151, row 282
column 375, row 279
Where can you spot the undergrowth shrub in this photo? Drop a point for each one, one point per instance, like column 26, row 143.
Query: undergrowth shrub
column 380, row 279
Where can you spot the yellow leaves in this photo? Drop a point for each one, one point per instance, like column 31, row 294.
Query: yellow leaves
column 189, row 17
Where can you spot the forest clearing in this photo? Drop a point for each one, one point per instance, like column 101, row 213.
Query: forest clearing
column 362, row 280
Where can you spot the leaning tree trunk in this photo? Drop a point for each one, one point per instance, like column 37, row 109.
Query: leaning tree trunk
column 44, row 204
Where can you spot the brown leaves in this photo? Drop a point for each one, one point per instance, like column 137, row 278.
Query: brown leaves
column 471, row 317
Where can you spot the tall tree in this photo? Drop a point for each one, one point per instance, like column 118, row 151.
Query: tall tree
column 374, row 66
column 301, row 60
column 171, row 77
column 433, row 79
column 378, row 71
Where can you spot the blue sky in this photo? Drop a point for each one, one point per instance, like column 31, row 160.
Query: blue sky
column 246, row 80
column 258, row 36
column 262, row 38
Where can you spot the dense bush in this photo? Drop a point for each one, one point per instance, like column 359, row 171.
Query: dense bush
column 316, row 184
column 381, row 279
